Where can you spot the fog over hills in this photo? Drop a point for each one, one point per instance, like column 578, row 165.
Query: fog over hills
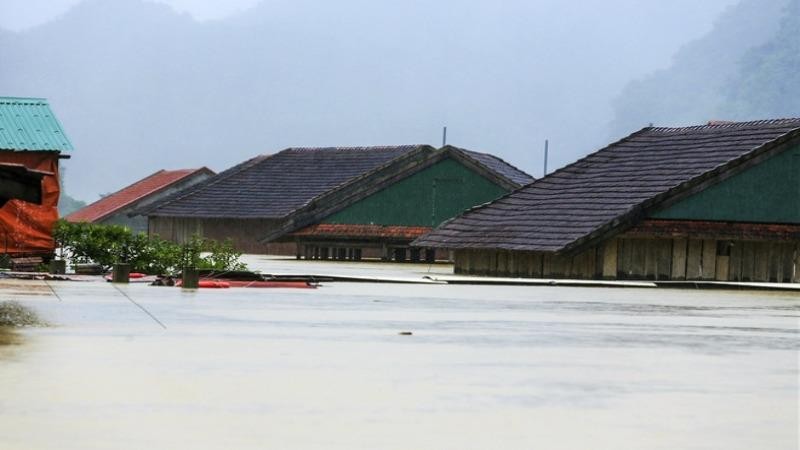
column 746, row 68
column 140, row 87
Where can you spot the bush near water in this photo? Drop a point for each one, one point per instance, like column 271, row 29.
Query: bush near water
column 13, row 314
column 107, row 245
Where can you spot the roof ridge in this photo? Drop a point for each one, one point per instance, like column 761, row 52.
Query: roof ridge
column 359, row 148
column 723, row 124
column 5, row 99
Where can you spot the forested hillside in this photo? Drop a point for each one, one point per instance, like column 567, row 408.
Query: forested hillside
column 747, row 67
column 768, row 81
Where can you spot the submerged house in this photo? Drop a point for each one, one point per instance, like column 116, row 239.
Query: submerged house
column 713, row 202
column 32, row 142
column 379, row 213
column 335, row 202
column 119, row 207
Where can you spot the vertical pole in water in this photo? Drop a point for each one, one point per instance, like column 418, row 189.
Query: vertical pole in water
column 190, row 278
column 545, row 156
column 122, row 273
column 444, row 136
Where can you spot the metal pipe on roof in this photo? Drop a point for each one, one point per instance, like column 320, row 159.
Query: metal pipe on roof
column 545, row 156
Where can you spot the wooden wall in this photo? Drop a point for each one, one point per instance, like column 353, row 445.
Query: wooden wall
column 646, row 259
column 245, row 233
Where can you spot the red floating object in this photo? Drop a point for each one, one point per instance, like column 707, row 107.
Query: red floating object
column 214, row 284
column 273, row 284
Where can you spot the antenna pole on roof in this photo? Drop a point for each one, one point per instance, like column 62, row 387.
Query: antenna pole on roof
column 546, row 145
column 444, row 136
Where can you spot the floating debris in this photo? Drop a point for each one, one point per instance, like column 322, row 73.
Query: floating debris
column 405, row 333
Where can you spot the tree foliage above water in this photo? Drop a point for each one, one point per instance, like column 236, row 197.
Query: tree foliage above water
column 107, row 245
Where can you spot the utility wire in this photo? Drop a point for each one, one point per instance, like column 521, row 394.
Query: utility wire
column 53, row 291
column 139, row 306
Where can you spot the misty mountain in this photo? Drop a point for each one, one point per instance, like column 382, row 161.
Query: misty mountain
column 140, row 87
column 745, row 68
column 767, row 83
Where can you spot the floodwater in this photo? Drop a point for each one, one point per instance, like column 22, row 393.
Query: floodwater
column 487, row 367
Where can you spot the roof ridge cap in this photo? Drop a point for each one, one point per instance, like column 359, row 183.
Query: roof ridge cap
column 356, row 147
column 8, row 99
column 730, row 124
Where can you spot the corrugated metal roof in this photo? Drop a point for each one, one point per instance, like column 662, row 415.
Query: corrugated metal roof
column 28, row 124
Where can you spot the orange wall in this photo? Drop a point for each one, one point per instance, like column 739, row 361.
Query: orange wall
column 26, row 228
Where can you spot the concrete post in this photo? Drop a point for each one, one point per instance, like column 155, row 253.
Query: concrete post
column 58, row 266
column 121, row 274
column 190, row 278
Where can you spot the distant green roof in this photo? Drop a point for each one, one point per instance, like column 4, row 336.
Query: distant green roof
column 29, row 124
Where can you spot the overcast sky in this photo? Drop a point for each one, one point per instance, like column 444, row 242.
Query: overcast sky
column 17, row 15
column 503, row 76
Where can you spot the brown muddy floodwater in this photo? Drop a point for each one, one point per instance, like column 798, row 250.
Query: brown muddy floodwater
column 486, row 367
column 8, row 337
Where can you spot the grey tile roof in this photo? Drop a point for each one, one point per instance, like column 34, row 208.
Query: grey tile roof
column 271, row 186
column 557, row 211
column 498, row 166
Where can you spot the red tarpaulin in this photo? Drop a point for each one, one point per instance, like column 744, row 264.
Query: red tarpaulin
column 27, row 228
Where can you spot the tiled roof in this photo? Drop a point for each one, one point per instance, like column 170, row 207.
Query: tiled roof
column 594, row 195
column 335, row 230
column 29, row 124
column 498, row 166
column 127, row 196
column 271, row 186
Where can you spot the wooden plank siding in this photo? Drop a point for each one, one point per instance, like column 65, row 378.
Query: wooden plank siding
column 678, row 266
column 646, row 259
column 243, row 233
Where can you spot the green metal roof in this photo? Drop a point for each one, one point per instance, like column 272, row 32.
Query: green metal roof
column 28, row 124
